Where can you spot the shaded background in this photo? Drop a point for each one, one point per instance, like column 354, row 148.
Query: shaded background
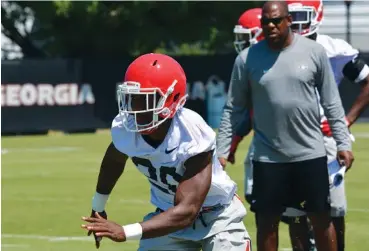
column 81, row 50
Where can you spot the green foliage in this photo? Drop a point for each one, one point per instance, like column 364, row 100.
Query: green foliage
column 114, row 29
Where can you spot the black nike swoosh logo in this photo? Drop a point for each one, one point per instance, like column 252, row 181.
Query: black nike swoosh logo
column 171, row 150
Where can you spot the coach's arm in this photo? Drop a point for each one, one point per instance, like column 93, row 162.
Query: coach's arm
column 236, row 108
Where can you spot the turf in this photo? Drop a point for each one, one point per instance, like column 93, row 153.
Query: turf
column 48, row 183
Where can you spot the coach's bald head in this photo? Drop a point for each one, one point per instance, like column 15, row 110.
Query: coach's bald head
column 274, row 5
column 276, row 22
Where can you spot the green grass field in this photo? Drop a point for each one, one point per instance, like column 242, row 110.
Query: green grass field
column 48, row 183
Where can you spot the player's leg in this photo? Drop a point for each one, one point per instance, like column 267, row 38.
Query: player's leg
column 233, row 240
column 248, row 180
column 167, row 243
column 338, row 202
column 270, row 195
column 299, row 229
column 228, row 231
column 337, row 192
column 312, row 186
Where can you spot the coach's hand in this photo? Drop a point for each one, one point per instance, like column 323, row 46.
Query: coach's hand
column 345, row 158
column 101, row 227
column 97, row 238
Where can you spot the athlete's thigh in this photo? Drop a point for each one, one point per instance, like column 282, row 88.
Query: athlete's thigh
column 336, row 180
column 337, row 189
column 232, row 240
column 167, row 243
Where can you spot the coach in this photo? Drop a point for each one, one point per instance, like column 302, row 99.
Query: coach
column 282, row 81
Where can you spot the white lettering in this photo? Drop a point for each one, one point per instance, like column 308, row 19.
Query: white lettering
column 73, row 90
column 28, row 95
column 61, row 94
column 3, row 95
column 12, row 95
column 86, row 95
column 45, row 95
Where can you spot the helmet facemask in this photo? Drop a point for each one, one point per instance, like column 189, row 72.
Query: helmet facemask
column 245, row 37
column 304, row 20
column 143, row 109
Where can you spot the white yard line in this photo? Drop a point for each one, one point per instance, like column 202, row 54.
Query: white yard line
column 363, row 135
column 45, row 237
column 48, row 238
column 14, row 245
column 41, row 149
column 51, row 199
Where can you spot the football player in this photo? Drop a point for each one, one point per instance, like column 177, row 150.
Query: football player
column 248, row 30
column 196, row 202
column 345, row 62
column 247, row 33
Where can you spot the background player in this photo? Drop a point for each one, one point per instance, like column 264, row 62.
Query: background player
column 345, row 63
column 307, row 17
column 196, row 203
column 247, row 33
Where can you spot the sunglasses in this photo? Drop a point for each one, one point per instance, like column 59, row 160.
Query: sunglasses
column 275, row 21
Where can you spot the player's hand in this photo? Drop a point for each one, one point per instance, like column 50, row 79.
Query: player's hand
column 345, row 158
column 97, row 238
column 103, row 228
column 326, row 129
column 223, row 162
column 231, row 158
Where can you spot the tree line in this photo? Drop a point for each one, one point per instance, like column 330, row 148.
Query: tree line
column 74, row 29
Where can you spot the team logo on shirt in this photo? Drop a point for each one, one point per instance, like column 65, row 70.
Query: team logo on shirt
column 167, row 151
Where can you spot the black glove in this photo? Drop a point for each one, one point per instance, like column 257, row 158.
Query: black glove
column 97, row 238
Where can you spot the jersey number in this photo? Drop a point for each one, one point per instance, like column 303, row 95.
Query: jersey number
column 164, row 172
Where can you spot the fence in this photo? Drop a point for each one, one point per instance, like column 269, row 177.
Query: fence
column 76, row 95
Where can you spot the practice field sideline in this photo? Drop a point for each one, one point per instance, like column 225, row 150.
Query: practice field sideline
column 48, row 183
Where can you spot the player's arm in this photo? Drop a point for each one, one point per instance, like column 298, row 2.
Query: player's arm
column 331, row 101
column 111, row 169
column 357, row 71
column 234, row 111
column 190, row 195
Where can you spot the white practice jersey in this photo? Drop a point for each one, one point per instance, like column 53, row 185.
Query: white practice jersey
column 339, row 53
column 189, row 135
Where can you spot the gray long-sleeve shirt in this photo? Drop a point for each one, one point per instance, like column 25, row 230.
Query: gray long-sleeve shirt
column 281, row 88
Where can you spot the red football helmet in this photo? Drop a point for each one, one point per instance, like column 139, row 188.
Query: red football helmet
column 307, row 16
column 153, row 90
column 248, row 31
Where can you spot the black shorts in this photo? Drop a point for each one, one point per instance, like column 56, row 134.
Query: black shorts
column 302, row 185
